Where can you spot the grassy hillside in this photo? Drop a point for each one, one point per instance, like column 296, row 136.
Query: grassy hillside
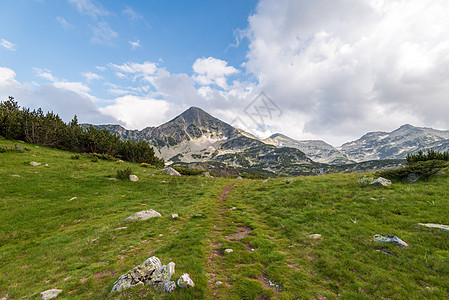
column 50, row 239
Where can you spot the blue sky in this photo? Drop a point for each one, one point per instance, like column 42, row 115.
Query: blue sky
column 334, row 70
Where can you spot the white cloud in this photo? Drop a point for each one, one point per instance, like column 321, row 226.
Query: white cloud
column 64, row 23
column 7, row 45
column 103, row 33
column 46, row 74
column 87, row 7
column 91, row 76
column 213, row 71
column 138, row 112
column 135, row 44
column 131, row 13
column 7, row 76
column 352, row 66
column 146, row 68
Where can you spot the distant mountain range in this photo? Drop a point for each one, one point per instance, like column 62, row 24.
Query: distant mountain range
column 197, row 137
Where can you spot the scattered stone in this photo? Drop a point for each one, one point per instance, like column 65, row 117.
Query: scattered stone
column 218, row 283
column 228, row 250
column 121, row 228
column 95, row 239
column 50, row 294
column 315, row 236
column 232, row 208
column 73, row 198
column 163, row 276
column 381, row 181
column 185, row 281
column 143, row 215
column 240, row 177
column 207, row 174
column 174, row 216
column 34, row 164
column 160, row 234
column 441, row 227
column 170, row 171
column 390, row 239
column 15, row 175
column 265, row 181
column 46, row 165
column 169, row 286
column 141, row 274
column 412, row 177
column 113, row 179
column 120, row 161
column 133, row 178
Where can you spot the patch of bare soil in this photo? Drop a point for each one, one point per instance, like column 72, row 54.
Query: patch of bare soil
column 243, row 232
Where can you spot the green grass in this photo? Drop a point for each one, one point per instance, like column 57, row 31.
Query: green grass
column 49, row 241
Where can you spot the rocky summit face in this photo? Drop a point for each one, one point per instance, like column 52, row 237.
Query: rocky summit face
column 317, row 150
column 196, row 136
column 407, row 139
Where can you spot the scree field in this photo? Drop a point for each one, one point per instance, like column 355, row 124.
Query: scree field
column 62, row 226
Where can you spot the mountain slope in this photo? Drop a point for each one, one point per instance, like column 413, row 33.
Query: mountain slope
column 317, row 150
column 396, row 144
column 196, row 136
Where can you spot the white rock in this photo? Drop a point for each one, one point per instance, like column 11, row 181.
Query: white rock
column 381, row 181
column 174, row 216
column 240, row 177
column 185, row 281
column 144, row 215
column 50, row 294
column 170, row 171
column 133, row 178
column 315, row 236
column 218, row 283
column 15, row 175
column 34, row 164
column 73, row 198
column 228, row 250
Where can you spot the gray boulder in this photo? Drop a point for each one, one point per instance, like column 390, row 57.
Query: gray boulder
column 381, row 181
column 141, row 274
column 170, row 171
column 34, row 164
column 185, row 281
column 50, row 294
column 143, row 215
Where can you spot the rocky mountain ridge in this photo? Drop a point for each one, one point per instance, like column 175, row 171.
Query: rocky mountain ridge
column 197, row 137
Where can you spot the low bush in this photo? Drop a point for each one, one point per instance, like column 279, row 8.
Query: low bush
column 16, row 148
column 76, row 156
column 124, row 174
column 189, row 172
column 422, row 169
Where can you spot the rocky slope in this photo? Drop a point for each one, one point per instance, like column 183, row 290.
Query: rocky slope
column 196, row 136
column 396, row 144
column 317, row 150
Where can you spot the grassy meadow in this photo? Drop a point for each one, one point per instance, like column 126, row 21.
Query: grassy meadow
column 50, row 239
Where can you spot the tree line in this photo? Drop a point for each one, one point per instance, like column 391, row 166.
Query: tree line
column 50, row 130
column 431, row 155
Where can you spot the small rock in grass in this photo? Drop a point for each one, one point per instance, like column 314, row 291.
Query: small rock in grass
column 170, row 171
column 390, row 239
column 240, row 177
column 315, row 236
column 185, row 281
column 46, row 165
column 228, row 250
column 15, row 175
column 441, row 227
column 34, row 164
column 113, row 179
column 121, row 228
column 381, row 181
column 133, row 178
column 50, row 294
column 218, row 283
column 73, row 198
column 169, row 286
column 143, row 215
column 174, row 216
